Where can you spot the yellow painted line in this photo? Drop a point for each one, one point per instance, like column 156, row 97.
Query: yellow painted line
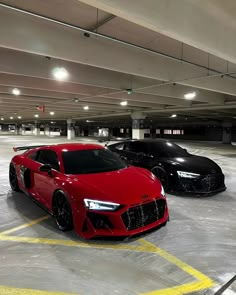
column 5, row 290
column 182, row 289
column 70, row 243
column 14, row 229
column 203, row 281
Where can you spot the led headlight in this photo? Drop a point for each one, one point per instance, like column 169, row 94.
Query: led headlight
column 100, row 205
column 187, row 174
column 163, row 191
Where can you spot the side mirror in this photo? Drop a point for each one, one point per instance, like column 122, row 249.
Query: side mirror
column 46, row 168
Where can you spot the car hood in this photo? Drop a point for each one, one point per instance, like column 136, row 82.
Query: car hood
column 197, row 164
column 127, row 186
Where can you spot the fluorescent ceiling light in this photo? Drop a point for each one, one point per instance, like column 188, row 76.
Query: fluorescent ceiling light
column 11, row 118
column 36, row 116
column 60, row 74
column 173, row 116
column 16, row 91
column 19, row 117
column 52, row 113
column 86, row 108
column 190, row 95
column 2, row 119
column 124, row 103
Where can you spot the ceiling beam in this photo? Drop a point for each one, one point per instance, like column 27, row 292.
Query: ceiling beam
column 51, row 38
column 206, row 25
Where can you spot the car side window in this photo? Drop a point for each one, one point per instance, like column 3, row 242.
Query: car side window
column 48, row 157
column 32, row 155
column 137, row 147
column 119, row 146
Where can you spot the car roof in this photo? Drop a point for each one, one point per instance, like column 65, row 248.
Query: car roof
column 72, row 147
column 148, row 140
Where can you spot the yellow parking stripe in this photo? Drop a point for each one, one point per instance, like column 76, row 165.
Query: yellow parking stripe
column 70, row 243
column 203, row 282
column 6, row 232
column 5, row 290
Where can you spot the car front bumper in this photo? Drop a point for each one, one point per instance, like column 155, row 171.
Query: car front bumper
column 128, row 221
column 204, row 184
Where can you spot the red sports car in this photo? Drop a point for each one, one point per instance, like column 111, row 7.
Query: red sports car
column 90, row 189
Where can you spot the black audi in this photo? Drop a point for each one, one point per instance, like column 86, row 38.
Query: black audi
column 178, row 170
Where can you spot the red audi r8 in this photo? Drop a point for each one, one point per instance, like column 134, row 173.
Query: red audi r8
column 89, row 188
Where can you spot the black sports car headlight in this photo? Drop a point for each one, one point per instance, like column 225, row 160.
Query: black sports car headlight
column 185, row 174
column 100, row 205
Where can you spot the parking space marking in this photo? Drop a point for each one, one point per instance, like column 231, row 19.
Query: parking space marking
column 5, row 290
column 31, row 223
column 202, row 281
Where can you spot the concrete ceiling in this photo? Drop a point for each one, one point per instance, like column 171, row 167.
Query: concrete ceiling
column 122, row 51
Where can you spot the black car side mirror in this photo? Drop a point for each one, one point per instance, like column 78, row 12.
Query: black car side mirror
column 46, row 168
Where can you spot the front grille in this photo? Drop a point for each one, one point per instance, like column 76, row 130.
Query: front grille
column 144, row 214
column 213, row 182
column 208, row 183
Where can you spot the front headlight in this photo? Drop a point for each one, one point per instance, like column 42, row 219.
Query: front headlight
column 187, row 174
column 99, row 205
column 163, row 191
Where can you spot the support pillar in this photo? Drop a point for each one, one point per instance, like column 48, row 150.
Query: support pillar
column 138, row 125
column 70, row 129
column 36, row 128
column 18, row 129
column 227, row 132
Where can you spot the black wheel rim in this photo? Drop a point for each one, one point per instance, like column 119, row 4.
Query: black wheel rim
column 161, row 175
column 62, row 212
column 13, row 177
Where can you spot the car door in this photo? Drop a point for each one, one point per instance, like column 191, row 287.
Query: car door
column 136, row 153
column 45, row 184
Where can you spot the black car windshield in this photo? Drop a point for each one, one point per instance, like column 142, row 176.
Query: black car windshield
column 167, row 149
column 91, row 161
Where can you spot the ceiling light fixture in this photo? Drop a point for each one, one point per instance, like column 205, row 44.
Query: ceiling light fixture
column 190, row 95
column 52, row 113
column 173, row 116
column 86, row 108
column 2, row 119
column 124, row 103
column 36, row 115
column 19, row 117
column 75, row 99
column 60, row 74
column 16, row 91
column 11, row 118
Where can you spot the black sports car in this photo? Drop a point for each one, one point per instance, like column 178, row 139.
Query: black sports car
column 178, row 170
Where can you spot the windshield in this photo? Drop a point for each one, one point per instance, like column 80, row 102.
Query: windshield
column 91, row 161
column 168, row 149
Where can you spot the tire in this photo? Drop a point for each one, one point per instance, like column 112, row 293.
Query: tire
column 13, row 178
column 161, row 174
column 62, row 211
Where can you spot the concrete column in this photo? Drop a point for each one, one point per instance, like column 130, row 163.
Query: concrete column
column 70, row 129
column 36, row 128
column 227, row 132
column 138, row 125
column 46, row 130
column 18, row 129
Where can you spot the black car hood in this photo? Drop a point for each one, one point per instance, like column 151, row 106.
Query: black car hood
column 196, row 164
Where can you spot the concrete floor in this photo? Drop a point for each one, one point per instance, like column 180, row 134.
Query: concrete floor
column 194, row 254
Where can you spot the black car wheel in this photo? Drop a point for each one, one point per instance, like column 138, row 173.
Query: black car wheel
column 62, row 212
column 13, row 178
column 161, row 174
